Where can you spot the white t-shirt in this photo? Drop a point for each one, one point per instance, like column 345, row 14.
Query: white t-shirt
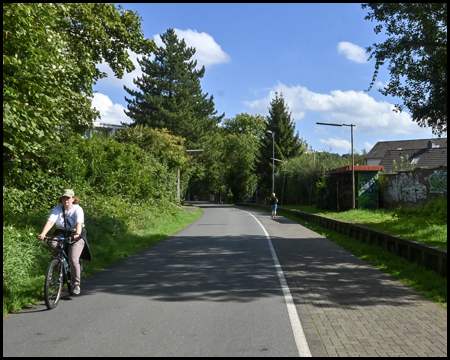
column 73, row 216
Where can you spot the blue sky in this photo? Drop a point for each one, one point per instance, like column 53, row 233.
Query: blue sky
column 312, row 53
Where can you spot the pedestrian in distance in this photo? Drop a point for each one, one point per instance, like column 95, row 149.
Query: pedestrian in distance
column 274, row 202
column 69, row 216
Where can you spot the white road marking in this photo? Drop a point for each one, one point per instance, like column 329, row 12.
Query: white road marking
column 299, row 335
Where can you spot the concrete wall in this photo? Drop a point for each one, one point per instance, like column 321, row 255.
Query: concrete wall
column 412, row 188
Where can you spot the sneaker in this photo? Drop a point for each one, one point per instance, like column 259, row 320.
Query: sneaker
column 76, row 290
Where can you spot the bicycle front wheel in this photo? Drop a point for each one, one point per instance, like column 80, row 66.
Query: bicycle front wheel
column 53, row 284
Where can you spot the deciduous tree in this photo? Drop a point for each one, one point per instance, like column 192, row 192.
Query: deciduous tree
column 50, row 52
column 242, row 141
column 416, row 53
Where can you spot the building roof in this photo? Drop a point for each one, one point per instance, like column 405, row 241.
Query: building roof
column 381, row 147
column 358, row 168
column 430, row 158
column 99, row 125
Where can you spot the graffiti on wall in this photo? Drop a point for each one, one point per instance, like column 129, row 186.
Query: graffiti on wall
column 405, row 188
column 367, row 187
column 368, row 190
column 438, row 181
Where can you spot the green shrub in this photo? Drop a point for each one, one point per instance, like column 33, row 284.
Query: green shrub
column 24, row 263
column 327, row 192
column 89, row 166
column 435, row 211
column 166, row 148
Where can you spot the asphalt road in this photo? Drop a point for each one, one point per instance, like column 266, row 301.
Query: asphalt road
column 212, row 289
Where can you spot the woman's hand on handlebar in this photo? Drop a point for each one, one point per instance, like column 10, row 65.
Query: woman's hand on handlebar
column 44, row 238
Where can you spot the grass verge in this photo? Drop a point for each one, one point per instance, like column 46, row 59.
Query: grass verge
column 425, row 224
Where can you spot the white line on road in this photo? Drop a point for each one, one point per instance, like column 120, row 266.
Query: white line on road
column 299, row 335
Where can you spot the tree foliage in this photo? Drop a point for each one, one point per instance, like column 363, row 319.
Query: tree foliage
column 137, row 168
column 416, row 53
column 166, row 148
column 170, row 94
column 242, row 141
column 280, row 122
column 297, row 179
column 358, row 158
column 50, row 52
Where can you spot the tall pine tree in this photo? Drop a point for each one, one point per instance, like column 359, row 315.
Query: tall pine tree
column 288, row 144
column 170, row 94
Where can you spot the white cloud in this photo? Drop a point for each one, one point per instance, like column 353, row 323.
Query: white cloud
column 110, row 113
column 127, row 80
column 381, row 84
column 338, row 144
column 207, row 51
column 349, row 107
column 368, row 146
column 352, row 52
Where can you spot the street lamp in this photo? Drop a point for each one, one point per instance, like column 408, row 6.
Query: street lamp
column 273, row 159
column 353, row 159
column 179, row 173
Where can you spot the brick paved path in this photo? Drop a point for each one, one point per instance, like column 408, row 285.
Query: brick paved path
column 348, row 307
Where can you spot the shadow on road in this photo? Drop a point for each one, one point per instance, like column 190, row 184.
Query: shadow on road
column 236, row 269
column 240, row 269
column 324, row 274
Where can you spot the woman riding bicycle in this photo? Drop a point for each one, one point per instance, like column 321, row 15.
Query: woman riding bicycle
column 70, row 216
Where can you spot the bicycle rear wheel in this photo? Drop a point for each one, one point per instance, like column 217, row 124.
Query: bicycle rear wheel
column 53, row 284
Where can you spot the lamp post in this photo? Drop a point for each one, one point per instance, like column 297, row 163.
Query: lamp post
column 179, row 173
column 353, row 160
column 273, row 159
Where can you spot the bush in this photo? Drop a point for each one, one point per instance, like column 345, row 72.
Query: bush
column 302, row 179
column 159, row 143
column 89, row 166
column 24, row 263
column 327, row 193
column 435, row 211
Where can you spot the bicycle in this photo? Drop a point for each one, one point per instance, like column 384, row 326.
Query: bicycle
column 58, row 272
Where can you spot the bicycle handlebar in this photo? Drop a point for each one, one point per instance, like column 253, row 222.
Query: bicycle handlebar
column 48, row 239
